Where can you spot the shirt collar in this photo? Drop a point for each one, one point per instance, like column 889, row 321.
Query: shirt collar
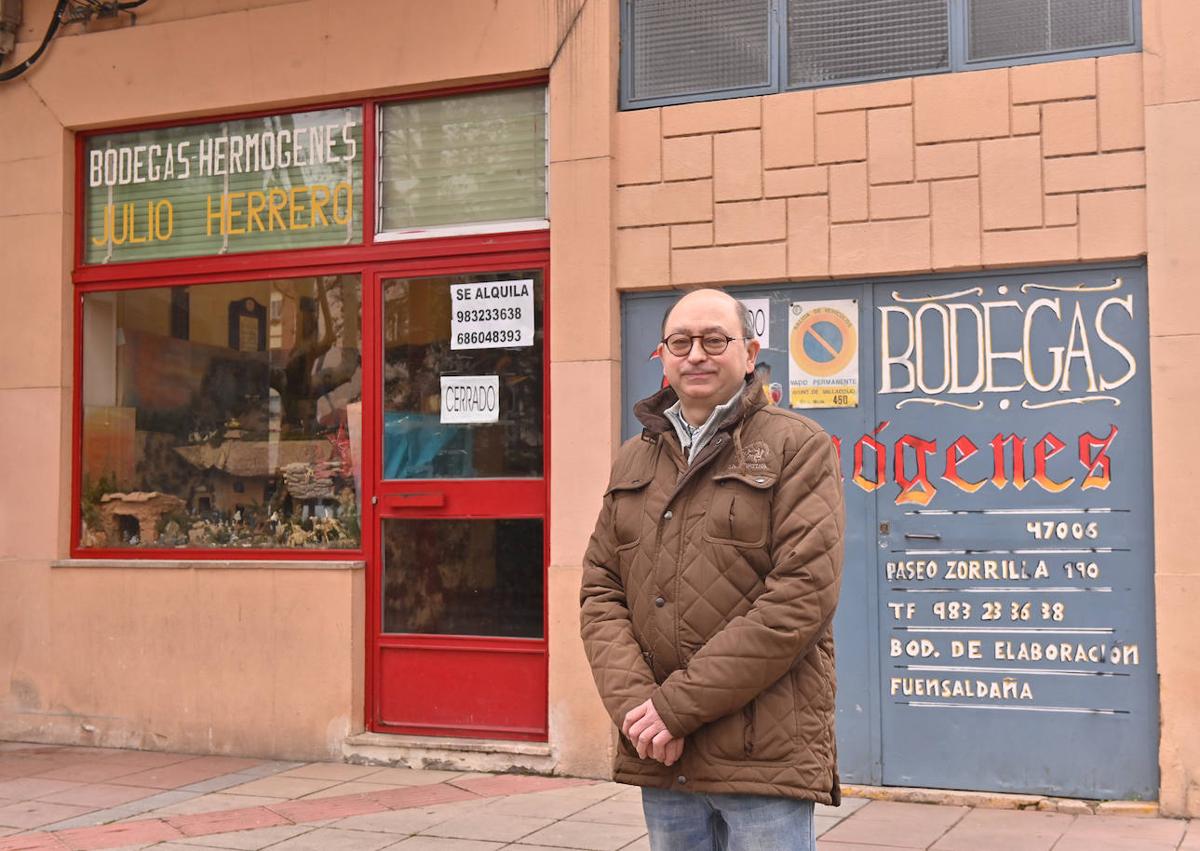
column 693, row 438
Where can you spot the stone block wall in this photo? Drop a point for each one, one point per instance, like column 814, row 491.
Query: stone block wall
column 1014, row 166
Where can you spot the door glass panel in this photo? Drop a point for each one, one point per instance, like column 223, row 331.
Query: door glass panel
column 463, row 577
column 462, row 376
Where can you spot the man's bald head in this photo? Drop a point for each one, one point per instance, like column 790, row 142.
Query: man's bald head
column 739, row 313
column 701, row 378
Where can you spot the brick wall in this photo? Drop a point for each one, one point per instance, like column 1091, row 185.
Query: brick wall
column 1014, row 166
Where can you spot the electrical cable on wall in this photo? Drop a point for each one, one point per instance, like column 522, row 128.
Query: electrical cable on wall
column 84, row 10
column 55, row 23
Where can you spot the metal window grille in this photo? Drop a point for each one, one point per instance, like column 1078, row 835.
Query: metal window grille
column 1000, row 29
column 679, row 51
column 831, row 40
column 682, row 47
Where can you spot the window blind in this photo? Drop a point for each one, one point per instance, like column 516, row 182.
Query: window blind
column 463, row 159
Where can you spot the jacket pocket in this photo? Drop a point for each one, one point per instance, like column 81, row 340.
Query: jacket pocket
column 739, row 513
column 763, row 730
column 772, row 734
column 816, row 701
column 725, row 738
column 824, row 655
column 628, row 512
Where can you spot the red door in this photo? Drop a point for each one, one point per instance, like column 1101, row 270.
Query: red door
column 456, row 395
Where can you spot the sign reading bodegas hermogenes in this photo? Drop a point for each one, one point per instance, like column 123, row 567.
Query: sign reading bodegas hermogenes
column 256, row 184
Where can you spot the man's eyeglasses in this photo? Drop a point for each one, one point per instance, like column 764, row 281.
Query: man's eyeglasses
column 680, row 345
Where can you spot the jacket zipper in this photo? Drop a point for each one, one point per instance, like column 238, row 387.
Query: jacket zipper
column 702, row 461
column 751, row 717
column 675, row 590
column 706, row 455
column 659, row 527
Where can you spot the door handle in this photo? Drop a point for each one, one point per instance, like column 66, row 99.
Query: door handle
column 922, row 536
column 431, row 499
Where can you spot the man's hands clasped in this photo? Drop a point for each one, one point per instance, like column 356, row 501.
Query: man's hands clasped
column 647, row 732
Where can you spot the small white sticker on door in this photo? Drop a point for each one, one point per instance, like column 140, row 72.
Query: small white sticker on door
column 760, row 313
column 470, row 398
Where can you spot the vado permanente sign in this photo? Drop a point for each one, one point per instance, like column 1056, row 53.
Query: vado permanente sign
column 292, row 180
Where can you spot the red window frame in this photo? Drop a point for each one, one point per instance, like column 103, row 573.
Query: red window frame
column 438, row 252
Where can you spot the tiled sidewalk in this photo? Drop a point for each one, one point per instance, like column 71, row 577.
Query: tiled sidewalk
column 63, row 798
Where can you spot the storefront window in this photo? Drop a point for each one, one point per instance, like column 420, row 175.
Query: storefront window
column 223, row 415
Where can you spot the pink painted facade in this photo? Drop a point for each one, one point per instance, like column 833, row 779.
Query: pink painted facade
column 1045, row 164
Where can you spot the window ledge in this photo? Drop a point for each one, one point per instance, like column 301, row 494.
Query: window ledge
column 199, row 564
column 477, row 229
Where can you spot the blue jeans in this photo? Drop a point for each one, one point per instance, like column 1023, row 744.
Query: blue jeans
column 682, row 821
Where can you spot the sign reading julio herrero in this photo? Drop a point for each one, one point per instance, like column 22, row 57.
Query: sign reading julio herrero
column 279, row 181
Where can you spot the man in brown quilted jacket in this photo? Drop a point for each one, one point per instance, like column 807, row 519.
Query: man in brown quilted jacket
column 709, row 588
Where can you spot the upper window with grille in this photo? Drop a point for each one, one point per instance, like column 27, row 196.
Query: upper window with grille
column 1007, row 29
column 694, row 47
column 677, row 51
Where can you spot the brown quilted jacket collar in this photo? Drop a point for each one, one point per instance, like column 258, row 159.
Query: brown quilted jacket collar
column 650, row 411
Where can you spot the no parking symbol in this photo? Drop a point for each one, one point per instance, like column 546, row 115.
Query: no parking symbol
column 823, row 349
